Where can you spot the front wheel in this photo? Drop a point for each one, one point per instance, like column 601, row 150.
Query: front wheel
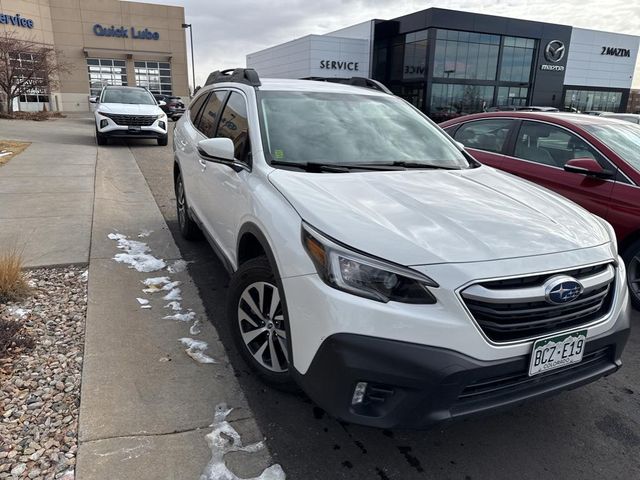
column 101, row 138
column 631, row 257
column 258, row 322
column 188, row 228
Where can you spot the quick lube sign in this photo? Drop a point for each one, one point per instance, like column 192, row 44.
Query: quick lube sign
column 123, row 32
column 15, row 20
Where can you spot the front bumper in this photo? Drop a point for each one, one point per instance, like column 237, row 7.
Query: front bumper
column 417, row 386
column 108, row 127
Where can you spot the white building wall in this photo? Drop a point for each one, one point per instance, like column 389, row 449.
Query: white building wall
column 586, row 65
column 362, row 31
column 302, row 58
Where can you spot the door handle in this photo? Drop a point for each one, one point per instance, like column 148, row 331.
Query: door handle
column 203, row 164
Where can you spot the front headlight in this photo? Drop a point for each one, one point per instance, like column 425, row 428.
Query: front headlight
column 365, row 276
column 612, row 233
column 162, row 115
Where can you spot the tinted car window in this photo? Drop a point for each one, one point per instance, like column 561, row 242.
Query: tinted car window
column 234, row 125
column 489, row 135
column 194, row 108
column 209, row 118
column 550, row 145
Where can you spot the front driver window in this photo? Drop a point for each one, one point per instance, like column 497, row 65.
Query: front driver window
column 550, row 145
column 489, row 135
column 234, row 125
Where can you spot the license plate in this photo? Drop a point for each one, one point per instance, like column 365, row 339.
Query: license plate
column 554, row 352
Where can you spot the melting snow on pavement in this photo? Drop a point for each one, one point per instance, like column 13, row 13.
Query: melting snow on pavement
column 175, row 306
column 175, row 294
column 177, row 266
column 144, row 303
column 224, row 439
column 137, row 254
column 195, row 349
column 182, row 317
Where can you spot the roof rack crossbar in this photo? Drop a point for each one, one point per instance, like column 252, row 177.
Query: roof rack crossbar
column 247, row 76
column 363, row 82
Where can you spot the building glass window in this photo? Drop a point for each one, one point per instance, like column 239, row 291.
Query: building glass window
column 24, row 64
column 466, row 55
column 512, row 96
column 156, row 76
column 517, row 58
column 452, row 99
column 103, row 72
column 415, row 55
column 600, row 100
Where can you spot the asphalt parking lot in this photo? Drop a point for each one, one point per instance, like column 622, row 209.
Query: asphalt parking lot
column 588, row 433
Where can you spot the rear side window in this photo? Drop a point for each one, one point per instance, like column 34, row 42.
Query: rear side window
column 194, row 108
column 489, row 135
column 234, row 125
column 209, row 118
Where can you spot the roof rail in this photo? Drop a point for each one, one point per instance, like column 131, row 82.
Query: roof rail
column 357, row 82
column 247, row 76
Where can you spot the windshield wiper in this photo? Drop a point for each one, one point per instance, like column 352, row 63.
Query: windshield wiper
column 404, row 164
column 312, row 166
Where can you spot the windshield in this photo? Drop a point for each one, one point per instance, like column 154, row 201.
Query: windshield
column 335, row 129
column 128, row 95
column 622, row 138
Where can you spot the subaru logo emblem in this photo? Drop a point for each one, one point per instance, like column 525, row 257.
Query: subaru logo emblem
column 554, row 51
column 562, row 289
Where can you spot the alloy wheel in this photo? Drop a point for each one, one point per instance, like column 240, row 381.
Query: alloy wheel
column 633, row 276
column 182, row 204
column 262, row 326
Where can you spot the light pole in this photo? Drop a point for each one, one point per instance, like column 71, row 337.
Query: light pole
column 193, row 65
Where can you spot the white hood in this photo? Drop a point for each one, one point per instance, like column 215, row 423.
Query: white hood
column 129, row 109
column 419, row 217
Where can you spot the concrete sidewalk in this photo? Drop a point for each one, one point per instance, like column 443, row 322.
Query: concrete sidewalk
column 46, row 192
column 146, row 406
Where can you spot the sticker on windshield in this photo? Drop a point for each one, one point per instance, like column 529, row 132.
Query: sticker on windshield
column 279, row 154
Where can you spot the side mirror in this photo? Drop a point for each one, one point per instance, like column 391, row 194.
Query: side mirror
column 216, row 149
column 93, row 99
column 162, row 103
column 588, row 167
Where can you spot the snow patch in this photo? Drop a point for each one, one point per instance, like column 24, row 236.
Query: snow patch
column 177, row 266
column 171, row 285
column 196, row 328
column 85, row 276
column 181, row 317
column 146, row 306
column 142, row 301
column 175, row 294
column 195, row 349
column 19, row 312
column 156, row 281
column 175, row 306
column 144, row 233
column 224, row 439
column 137, row 254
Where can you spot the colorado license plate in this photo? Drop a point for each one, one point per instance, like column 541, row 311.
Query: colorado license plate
column 555, row 352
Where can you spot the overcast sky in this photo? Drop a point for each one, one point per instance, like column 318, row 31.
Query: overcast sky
column 224, row 32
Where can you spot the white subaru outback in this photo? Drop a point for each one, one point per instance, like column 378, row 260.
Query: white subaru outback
column 379, row 266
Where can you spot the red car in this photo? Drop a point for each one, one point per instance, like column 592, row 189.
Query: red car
column 592, row 160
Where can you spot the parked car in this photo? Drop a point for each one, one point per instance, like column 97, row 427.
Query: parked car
column 374, row 262
column 173, row 107
column 129, row 112
column 592, row 160
column 627, row 117
column 595, row 112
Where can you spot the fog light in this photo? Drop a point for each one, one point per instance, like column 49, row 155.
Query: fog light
column 358, row 393
column 103, row 123
column 162, row 125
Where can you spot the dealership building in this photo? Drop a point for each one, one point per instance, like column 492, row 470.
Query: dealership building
column 103, row 42
column 449, row 62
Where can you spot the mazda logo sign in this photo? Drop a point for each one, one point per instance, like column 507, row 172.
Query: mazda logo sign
column 554, row 51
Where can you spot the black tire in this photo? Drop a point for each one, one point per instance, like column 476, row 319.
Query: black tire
column 101, row 138
column 164, row 140
column 274, row 330
column 188, row 228
column 631, row 257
